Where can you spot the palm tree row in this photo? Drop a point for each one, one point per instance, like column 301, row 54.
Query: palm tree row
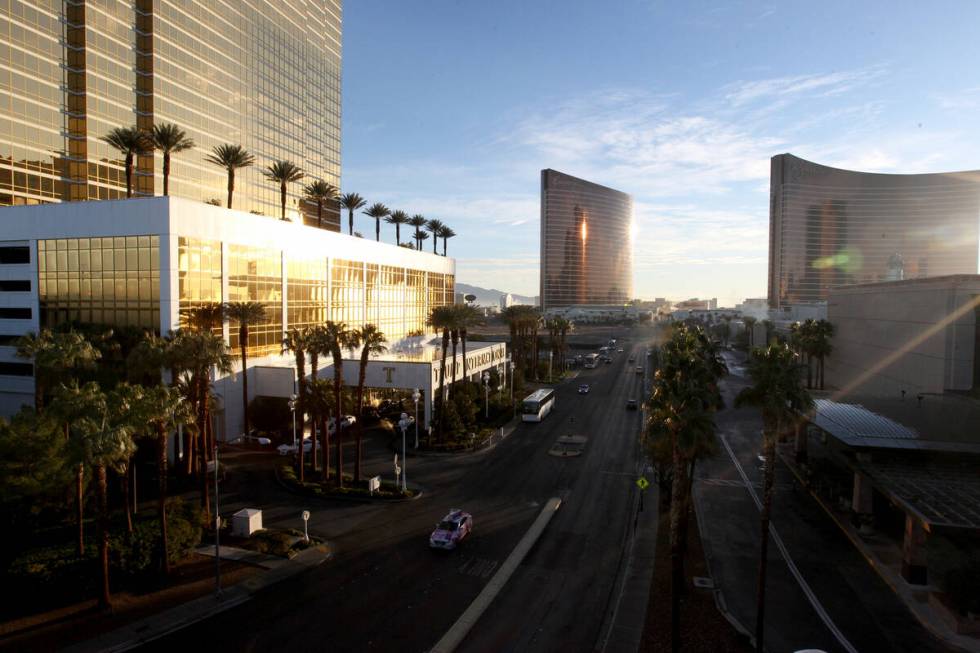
column 379, row 212
column 684, row 398
column 524, row 322
column 811, row 340
column 453, row 322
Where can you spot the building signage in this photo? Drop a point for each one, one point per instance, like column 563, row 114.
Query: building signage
column 476, row 362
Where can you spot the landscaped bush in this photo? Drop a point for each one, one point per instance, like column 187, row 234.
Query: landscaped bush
column 276, row 543
column 136, row 554
column 43, row 574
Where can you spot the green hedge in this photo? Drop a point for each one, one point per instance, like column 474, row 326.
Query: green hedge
column 135, row 554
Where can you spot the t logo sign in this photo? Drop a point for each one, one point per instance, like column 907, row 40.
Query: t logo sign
column 388, row 372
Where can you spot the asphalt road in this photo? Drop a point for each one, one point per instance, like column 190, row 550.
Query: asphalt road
column 853, row 596
column 385, row 590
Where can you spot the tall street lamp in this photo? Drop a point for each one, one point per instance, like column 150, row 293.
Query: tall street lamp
column 403, row 423
column 416, row 395
column 292, row 409
column 486, row 395
column 512, row 366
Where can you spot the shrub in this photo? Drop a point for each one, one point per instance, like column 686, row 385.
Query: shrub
column 277, row 543
column 49, row 577
column 136, row 554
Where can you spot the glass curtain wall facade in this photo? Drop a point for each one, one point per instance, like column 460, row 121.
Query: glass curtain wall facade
column 586, row 242
column 113, row 281
column 265, row 75
column 830, row 227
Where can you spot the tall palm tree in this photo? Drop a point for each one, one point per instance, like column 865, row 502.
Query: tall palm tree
column 442, row 318
column 296, row 342
column 371, row 342
column 130, row 141
column 749, row 322
column 820, row 346
column 169, row 139
column 317, row 192
column 282, row 173
column 55, row 355
column 466, row 317
column 445, row 233
column 422, row 237
column 777, row 390
column 434, row 226
column 231, row 158
column 377, row 211
column 352, row 202
column 397, row 218
column 245, row 313
column 338, row 337
column 418, row 222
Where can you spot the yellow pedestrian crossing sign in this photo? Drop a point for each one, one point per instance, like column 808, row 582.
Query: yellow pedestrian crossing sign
column 642, row 483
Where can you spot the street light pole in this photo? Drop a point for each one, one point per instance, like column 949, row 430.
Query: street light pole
column 403, row 423
column 512, row 366
column 292, row 409
column 217, row 529
column 415, row 397
column 486, row 395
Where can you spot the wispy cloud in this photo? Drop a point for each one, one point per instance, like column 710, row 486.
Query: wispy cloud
column 819, row 84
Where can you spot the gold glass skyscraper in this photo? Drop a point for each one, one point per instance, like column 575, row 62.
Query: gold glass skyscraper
column 264, row 74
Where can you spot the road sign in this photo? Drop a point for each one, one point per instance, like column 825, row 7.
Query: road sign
column 642, row 483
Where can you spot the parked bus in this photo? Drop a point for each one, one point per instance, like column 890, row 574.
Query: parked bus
column 590, row 361
column 537, row 405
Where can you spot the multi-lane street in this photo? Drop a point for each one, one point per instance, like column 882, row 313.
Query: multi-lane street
column 385, row 590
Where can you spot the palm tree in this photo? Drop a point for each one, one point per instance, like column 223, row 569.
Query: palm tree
column 397, row 218
column 245, row 313
column 777, row 390
column 435, row 226
column 318, row 192
column 749, row 322
column 338, row 337
column 55, row 355
column 377, row 211
column 423, row 236
column 282, row 173
column 442, row 318
column 206, row 317
column 169, row 139
column 418, row 221
column 445, row 233
column 296, row 341
column 371, row 342
column 820, row 346
column 130, row 141
column 231, row 158
column 352, row 202
column 466, row 316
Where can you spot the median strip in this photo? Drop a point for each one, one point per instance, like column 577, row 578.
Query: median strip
column 468, row 619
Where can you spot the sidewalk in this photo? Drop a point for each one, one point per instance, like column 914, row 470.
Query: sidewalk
column 625, row 632
column 159, row 625
column 886, row 560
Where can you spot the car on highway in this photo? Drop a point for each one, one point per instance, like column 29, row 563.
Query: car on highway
column 584, row 389
column 620, row 350
column 632, row 359
column 451, row 530
column 631, row 404
column 639, row 369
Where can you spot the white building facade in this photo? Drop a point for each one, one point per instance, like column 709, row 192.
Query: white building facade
column 140, row 263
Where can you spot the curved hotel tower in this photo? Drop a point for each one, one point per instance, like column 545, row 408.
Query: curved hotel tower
column 830, row 227
column 586, row 243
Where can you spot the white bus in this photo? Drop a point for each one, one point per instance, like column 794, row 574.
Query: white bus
column 590, row 361
column 537, row 405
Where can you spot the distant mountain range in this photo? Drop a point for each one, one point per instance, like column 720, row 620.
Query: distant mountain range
column 490, row 296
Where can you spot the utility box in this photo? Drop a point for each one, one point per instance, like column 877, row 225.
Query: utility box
column 245, row 522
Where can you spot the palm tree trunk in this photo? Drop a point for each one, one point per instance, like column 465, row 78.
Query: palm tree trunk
column 319, row 214
column 350, row 222
column 243, row 342
column 462, row 340
column 398, row 234
column 301, row 409
column 166, row 174
column 80, row 508
column 202, row 427
column 676, row 559
column 686, row 509
column 124, row 479
column 105, row 599
column 162, row 497
column 435, row 243
column 325, row 429
column 362, row 373
column 129, row 175
column 442, row 383
column 809, row 371
column 454, row 335
column 377, row 229
column 282, row 199
column 444, row 246
column 770, row 455
column 231, row 185
column 338, row 380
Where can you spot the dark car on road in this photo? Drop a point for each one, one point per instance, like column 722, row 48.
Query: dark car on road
column 631, row 404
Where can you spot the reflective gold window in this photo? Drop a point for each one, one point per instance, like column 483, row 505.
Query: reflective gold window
column 307, row 285
column 347, row 292
column 198, row 274
column 114, row 281
column 255, row 275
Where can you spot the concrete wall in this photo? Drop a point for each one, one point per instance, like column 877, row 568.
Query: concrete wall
column 914, row 335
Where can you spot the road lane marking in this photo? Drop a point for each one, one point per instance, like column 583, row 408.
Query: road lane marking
column 458, row 631
column 811, row 597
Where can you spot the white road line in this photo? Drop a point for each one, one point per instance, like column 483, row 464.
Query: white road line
column 811, row 597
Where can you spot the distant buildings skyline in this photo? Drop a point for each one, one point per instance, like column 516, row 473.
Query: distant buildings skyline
column 586, row 243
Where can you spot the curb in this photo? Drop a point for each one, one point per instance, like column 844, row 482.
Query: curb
column 867, row 555
column 169, row 621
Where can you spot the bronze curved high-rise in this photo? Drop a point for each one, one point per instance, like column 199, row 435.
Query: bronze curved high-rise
column 586, row 243
column 830, row 227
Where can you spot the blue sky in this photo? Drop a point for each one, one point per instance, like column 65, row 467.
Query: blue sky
column 452, row 108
